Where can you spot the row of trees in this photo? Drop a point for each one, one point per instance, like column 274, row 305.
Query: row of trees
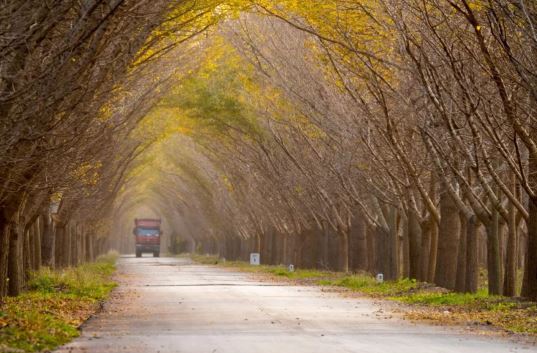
column 387, row 136
column 396, row 136
column 75, row 79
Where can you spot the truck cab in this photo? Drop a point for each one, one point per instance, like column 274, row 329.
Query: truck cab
column 147, row 232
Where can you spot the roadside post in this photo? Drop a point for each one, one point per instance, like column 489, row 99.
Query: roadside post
column 255, row 259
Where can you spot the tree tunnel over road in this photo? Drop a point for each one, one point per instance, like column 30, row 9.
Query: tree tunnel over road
column 394, row 137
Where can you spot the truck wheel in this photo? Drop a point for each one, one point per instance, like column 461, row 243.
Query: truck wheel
column 138, row 253
column 156, row 254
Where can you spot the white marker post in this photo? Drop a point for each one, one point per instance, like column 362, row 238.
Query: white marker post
column 255, row 259
column 380, row 278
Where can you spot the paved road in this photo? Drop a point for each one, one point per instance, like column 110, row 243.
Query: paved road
column 169, row 305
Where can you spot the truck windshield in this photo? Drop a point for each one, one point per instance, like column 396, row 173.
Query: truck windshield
column 147, row 232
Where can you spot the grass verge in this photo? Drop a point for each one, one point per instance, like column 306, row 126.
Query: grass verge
column 424, row 300
column 55, row 305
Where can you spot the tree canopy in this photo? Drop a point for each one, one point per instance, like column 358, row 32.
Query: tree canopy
column 384, row 136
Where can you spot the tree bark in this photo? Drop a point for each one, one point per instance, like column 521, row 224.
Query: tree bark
column 257, row 243
column 392, row 246
column 48, row 243
column 359, row 237
column 27, row 254
column 284, row 250
column 371, row 246
column 89, row 247
column 426, row 232
column 325, row 258
column 433, row 252
column 37, row 243
column 448, row 243
column 4, row 255
column 60, row 245
column 493, row 254
column 414, row 245
column 406, row 249
column 343, row 238
column 15, row 274
column 472, row 259
column 509, row 283
column 529, row 288
column 460, row 281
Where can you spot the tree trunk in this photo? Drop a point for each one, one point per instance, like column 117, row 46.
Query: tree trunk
column 284, row 250
column 60, row 244
column 426, row 232
column 27, row 254
column 4, row 255
column 89, row 247
column 529, row 288
column 382, row 244
column 359, row 238
column 48, row 243
column 493, row 254
column 414, row 245
column 406, row 249
column 433, row 252
column 37, row 244
column 509, row 283
column 67, row 239
column 257, row 243
column 448, row 243
column 392, row 258
column 325, row 247
column 274, row 248
column 74, row 245
column 15, row 271
column 371, row 246
column 460, row 281
column 472, row 260
column 343, row 238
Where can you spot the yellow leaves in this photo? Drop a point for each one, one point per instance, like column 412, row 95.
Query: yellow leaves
column 183, row 130
column 229, row 9
column 88, row 173
column 362, row 166
column 477, row 5
column 227, row 183
column 105, row 112
column 183, row 22
column 56, row 197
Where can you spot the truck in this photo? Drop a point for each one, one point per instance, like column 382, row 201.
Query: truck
column 147, row 232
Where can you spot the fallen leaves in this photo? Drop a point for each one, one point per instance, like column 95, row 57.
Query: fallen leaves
column 50, row 313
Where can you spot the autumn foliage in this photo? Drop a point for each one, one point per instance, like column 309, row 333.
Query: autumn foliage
column 382, row 136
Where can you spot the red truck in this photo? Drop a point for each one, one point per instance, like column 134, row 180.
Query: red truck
column 147, row 232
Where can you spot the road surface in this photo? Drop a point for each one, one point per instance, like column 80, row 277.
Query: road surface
column 170, row 305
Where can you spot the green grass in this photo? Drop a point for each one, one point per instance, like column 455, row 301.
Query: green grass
column 368, row 285
column 451, row 298
column 279, row 271
column 56, row 303
column 299, row 273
